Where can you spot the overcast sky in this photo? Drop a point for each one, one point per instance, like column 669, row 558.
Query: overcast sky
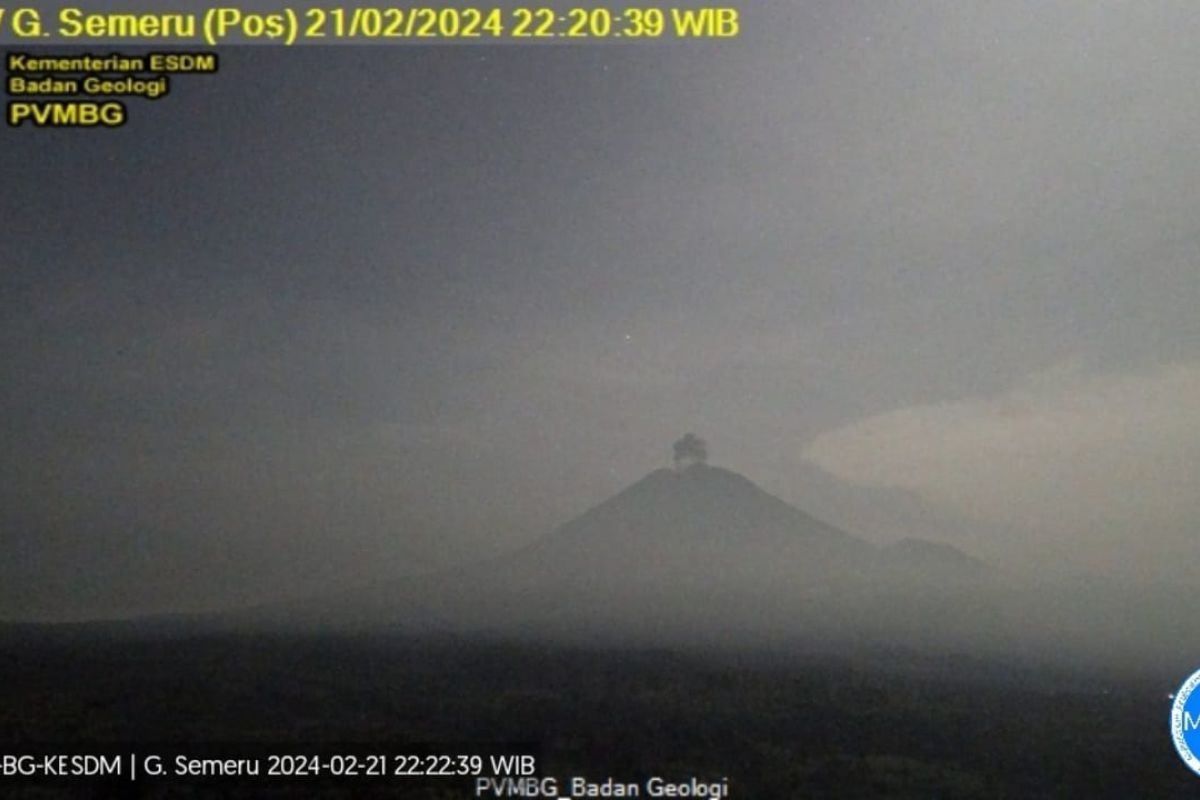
column 335, row 312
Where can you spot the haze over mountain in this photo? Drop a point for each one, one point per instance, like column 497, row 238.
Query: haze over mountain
column 696, row 553
column 889, row 242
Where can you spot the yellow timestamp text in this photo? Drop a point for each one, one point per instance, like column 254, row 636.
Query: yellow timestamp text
column 220, row 24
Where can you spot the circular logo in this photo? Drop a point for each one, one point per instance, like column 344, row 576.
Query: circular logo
column 1185, row 722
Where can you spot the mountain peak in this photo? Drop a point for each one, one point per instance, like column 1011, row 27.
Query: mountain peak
column 697, row 502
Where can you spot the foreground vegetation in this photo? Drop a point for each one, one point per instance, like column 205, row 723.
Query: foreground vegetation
column 778, row 725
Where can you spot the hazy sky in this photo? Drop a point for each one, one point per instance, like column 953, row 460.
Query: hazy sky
column 340, row 311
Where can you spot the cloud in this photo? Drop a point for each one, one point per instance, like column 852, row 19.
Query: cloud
column 1103, row 462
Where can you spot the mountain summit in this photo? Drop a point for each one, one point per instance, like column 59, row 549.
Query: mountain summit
column 700, row 502
column 698, row 524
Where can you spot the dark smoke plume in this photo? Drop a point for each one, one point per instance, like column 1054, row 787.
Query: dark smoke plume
column 689, row 450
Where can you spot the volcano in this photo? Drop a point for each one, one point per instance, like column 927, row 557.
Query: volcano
column 693, row 553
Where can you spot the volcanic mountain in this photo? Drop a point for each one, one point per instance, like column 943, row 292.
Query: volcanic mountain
column 693, row 553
